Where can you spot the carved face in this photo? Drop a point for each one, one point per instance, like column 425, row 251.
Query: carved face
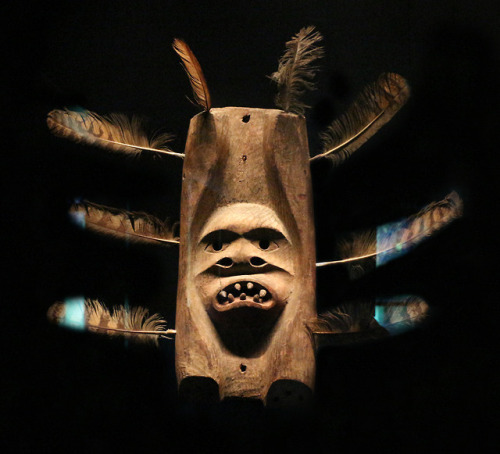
column 244, row 264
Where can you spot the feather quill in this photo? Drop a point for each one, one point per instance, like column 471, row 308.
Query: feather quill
column 124, row 224
column 295, row 72
column 403, row 236
column 195, row 74
column 373, row 108
column 134, row 323
column 115, row 132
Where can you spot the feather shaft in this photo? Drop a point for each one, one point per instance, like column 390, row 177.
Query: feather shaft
column 193, row 70
column 167, row 332
column 377, row 105
column 351, row 259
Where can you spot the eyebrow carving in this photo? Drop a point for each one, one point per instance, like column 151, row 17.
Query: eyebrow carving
column 263, row 233
column 224, row 236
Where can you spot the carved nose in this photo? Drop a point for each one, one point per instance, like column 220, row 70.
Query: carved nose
column 226, row 262
column 257, row 262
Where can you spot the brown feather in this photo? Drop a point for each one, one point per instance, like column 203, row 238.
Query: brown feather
column 348, row 323
column 295, row 70
column 348, row 317
column 354, row 322
column 195, row 74
column 115, row 132
column 125, row 224
column 135, row 323
column 376, row 105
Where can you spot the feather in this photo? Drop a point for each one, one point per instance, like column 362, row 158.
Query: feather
column 349, row 317
column 295, row 71
column 124, row 224
column 398, row 238
column 348, row 323
column 195, row 74
column 391, row 240
column 115, row 132
column 376, row 105
column 359, row 244
column 134, row 323
column 355, row 321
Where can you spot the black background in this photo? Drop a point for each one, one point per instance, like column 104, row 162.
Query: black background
column 430, row 389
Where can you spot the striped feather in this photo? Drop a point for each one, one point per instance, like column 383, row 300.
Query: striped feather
column 376, row 105
column 195, row 74
column 402, row 236
column 134, row 323
column 125, row 224
column 114, row 133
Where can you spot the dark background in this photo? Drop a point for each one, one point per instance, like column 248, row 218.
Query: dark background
column 430, row 389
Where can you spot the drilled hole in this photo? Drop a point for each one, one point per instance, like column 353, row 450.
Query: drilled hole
column 244, row 157
column 243, row 367
column 246, row 119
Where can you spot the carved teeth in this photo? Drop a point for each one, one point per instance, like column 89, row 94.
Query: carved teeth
column 244, row 290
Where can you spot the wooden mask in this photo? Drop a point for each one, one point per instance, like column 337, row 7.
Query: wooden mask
column 247, row 271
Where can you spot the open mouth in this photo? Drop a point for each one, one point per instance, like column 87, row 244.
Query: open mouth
column 244, row 293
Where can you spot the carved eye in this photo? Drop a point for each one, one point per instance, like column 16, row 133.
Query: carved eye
column 267, row 245
column 266, row 239
column 216, row 246
column 219, row 240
